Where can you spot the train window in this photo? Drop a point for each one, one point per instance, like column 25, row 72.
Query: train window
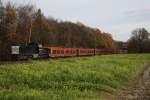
column 73, row 51
column 58, row 51
column 67, row 51
column 54, row 52
column 49, row 51
column 70, row 51
column 62, row 51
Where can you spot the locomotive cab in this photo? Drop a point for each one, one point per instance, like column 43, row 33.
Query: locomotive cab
column 32, row 50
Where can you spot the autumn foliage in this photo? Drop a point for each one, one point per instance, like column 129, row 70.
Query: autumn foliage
column 24, row 24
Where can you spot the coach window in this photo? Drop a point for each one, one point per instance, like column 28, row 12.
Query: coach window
column 54, row 52
column 62, row 51
column 67, row 51
column 58, row 51
column 49, row 51
column 71, row 51
column 74, row 51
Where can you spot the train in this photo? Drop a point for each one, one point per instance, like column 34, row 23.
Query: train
column 37, row 51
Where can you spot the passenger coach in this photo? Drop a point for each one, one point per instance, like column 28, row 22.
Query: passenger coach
column 61, row 52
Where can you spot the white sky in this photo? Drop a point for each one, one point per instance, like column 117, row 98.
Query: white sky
column 119, row 17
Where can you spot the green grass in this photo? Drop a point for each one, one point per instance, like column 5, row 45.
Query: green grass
column 84, row 78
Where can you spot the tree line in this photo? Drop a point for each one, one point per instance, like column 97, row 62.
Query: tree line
column 139, row 41
column 24, row 24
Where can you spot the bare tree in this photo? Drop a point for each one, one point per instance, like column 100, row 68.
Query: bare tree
column 138, row 39
column 25, row 18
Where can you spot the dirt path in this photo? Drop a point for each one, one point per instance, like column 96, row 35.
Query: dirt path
column 137, row 89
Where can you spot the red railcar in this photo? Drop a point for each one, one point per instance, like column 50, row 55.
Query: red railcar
column 85, row 52
column 99, row 51
column 70, row 52
column 62, row 52
column 54, row 52
column 122, row 50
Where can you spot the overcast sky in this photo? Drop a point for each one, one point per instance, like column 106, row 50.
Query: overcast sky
column 119, row 17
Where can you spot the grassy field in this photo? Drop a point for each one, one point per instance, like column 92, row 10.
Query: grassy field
column 84, row 78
